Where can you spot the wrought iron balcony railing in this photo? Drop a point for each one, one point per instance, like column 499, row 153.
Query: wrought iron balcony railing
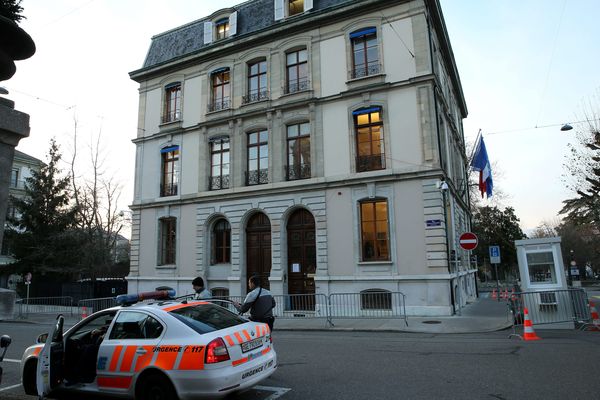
column 171, row 116
column 168, row 189
column 219, row 182
column 365, row 70
column 257, row 177
column 255, row 96
column 370, row 162
column 220, row 104
column 297, row 86
column 297, row 171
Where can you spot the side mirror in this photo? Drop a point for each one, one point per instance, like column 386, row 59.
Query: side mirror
column 42, row 338
column 5, row 341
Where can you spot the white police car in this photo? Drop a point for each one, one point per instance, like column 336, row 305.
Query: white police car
column 158, row 349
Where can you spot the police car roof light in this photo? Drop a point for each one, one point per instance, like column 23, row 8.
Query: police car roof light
column 125, row 299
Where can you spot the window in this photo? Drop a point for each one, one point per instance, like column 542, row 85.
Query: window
column 14, row 178
column 541, row 268
column 376, row 299
column 172, row 102
column 220, row 293
column 369, row 139
column 297, row 71
column 295, row 7
column 135, row 325
column 205, row 318
column 170, row 173
column 167, row 240
column 298, row 151
column 222, row 28
column 288, row 8
column 258, row 158
column 219, row 164
column 220, row 90
column 374, row 230
column 257, row 82
column 365, row 55
column 221, row 242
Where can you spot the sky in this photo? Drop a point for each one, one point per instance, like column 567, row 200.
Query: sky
column 526, row 67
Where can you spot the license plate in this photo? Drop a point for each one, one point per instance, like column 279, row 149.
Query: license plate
column 251, row 345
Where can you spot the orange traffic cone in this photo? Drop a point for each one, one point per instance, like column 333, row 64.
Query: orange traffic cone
column 494, row 294
column 84, row 312
column 529, row 333
column 505, row 294
column 594, row 313
column 513, row 296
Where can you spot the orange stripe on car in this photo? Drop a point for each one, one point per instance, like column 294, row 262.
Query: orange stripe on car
column 239, row 337
column 178, row 306
column 116, row 382
column 265, row 351
column 144, row 359
column 229, row 340
column 127, row 358
column 245, row 332
column 36, row 351
column 240, row 361
column 193, row 358
column 115, row 358
column 258, row 332
column 166, row 360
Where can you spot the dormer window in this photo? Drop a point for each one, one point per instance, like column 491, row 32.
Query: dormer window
column 222, row 28
column 289, row 8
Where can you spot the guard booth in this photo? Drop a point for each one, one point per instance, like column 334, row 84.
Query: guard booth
column 543, row 283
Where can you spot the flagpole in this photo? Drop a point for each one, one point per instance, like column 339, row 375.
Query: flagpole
column 475, row 146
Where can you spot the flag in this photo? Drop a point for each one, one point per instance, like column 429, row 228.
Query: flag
column 481, row 163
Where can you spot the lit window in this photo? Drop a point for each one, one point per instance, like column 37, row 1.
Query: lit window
column 365, row 55
column 172, row 103
column 295, row 7
column 170, row 173
column 222, row 28
column 167, row 240
column 298, row 151
column 369, row 139
column 374, row 230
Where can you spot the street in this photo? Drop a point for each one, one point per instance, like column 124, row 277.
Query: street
column 385, row 365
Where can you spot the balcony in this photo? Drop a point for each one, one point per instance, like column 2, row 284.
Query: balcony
column 168, row 189
column 219, row 182
column 257, row 177
column 365, row 70
column 255, row 97
column 297, row 171
column 171, row 116
column 372, row 162
column 220, row 104
column 297, row 86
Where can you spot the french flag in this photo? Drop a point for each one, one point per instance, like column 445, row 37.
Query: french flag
column 481, row 163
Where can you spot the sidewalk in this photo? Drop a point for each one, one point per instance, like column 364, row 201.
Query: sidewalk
column 483, row 315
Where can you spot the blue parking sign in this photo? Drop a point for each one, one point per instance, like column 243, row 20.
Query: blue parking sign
column 494, row 254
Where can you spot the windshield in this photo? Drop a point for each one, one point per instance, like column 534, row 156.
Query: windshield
column 204, row 318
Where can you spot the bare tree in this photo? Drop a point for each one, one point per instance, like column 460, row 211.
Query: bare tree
column 547, row 228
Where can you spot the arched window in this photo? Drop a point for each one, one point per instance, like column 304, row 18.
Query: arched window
column 221, row 242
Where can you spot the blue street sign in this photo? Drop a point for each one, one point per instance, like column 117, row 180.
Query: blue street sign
column 494, row 254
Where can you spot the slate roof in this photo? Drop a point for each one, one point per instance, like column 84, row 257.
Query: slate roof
column 253, row 16
column 27, row 158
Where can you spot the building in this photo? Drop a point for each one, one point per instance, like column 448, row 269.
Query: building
column 316, row 143
column 21, row 169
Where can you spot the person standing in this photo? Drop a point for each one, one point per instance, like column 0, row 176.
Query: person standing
column 201, row 292
column 260, row 302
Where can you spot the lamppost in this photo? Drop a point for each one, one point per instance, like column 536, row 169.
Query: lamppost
column 572, row 263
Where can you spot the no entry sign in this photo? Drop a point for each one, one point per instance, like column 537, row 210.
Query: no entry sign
column 468, row 241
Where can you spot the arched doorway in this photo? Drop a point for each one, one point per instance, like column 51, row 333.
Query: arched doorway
column 302, row 259
column 258, row 248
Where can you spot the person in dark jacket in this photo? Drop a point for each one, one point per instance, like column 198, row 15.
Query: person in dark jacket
column 260, row 302
column 201, row 292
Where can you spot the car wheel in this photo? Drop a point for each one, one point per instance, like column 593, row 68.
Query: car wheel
column 155, row 386
column 29, row 374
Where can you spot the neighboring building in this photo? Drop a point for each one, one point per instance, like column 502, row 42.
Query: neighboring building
column 22, row 167
column 305, row 141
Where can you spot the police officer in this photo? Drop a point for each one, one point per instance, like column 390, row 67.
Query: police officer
column 260, row 302
column 201, row 292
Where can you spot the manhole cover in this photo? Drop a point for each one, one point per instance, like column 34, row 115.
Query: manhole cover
column 432, row 322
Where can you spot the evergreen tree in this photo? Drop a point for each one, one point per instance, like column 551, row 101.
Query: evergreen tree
column 42, row 235
column 11, row 9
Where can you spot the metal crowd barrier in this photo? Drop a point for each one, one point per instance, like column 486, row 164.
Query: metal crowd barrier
column 90, row 306
column 44, row 305
column 550, row 307
column 368, row 304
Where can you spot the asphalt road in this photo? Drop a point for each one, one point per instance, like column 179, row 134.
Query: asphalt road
column 349, row 366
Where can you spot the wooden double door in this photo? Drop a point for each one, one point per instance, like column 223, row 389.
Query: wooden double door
column 258, row 246
column 302, row 260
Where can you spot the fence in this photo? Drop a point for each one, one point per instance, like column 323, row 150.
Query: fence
column 44, row 305
column 368, row 304
column 551, row 307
